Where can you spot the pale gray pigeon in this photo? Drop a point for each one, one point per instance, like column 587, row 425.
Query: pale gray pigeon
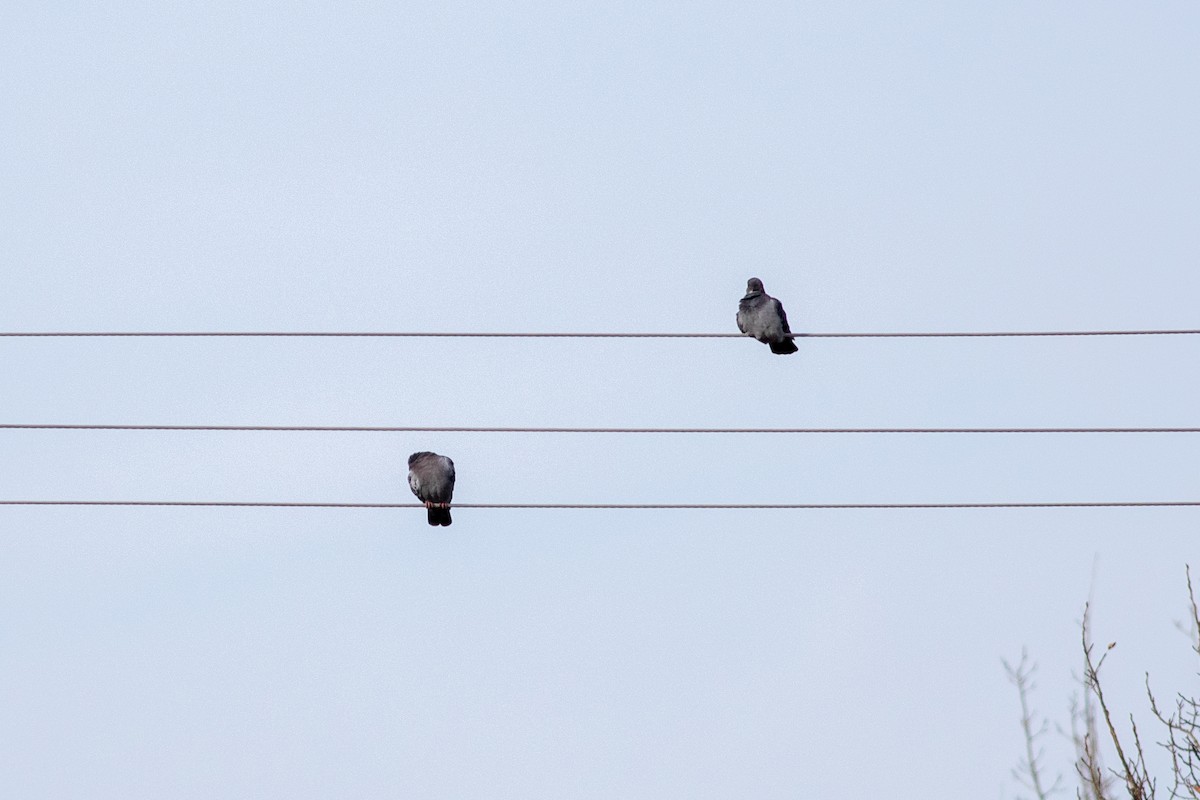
column 431, row 478
column 761, row 316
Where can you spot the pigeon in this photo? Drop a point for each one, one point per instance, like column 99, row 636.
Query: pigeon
column 761, row 316
column 431, row 478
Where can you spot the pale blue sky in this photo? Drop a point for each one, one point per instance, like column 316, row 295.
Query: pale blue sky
column 602, row 167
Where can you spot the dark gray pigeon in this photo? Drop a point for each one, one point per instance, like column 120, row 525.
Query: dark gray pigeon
column 431, row 478
column 761, row 316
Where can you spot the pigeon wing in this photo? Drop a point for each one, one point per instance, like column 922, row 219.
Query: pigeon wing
column 785, row 344
column 781, row 313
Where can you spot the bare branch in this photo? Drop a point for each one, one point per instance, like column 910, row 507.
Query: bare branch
column 1195, row 610
column 1135, row 781
column 1183, row 723
column 1093, row 778
column 1028, row 772
column 1096, row 782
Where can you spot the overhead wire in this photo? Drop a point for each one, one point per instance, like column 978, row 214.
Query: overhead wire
column 623, row 506
column 556, row 335
column 614, row 430
column 585, row 430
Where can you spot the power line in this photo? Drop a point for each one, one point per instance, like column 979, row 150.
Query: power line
column 411, row 334
column 484, row 429
column 623, row 506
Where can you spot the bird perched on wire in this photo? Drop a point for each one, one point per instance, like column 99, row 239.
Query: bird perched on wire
column 761, row 316
column 431, row 478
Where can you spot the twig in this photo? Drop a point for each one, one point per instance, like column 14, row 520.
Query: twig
column 1021, row 676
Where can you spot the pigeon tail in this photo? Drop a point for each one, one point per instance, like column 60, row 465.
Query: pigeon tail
column 784, row 347
column 439, row 516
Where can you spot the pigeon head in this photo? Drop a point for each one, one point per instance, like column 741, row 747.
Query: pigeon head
column 417, row 456
column 754, row 286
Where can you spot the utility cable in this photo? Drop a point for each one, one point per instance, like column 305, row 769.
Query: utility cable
column 410, row 334
column 485, row 429
column 626, row 506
